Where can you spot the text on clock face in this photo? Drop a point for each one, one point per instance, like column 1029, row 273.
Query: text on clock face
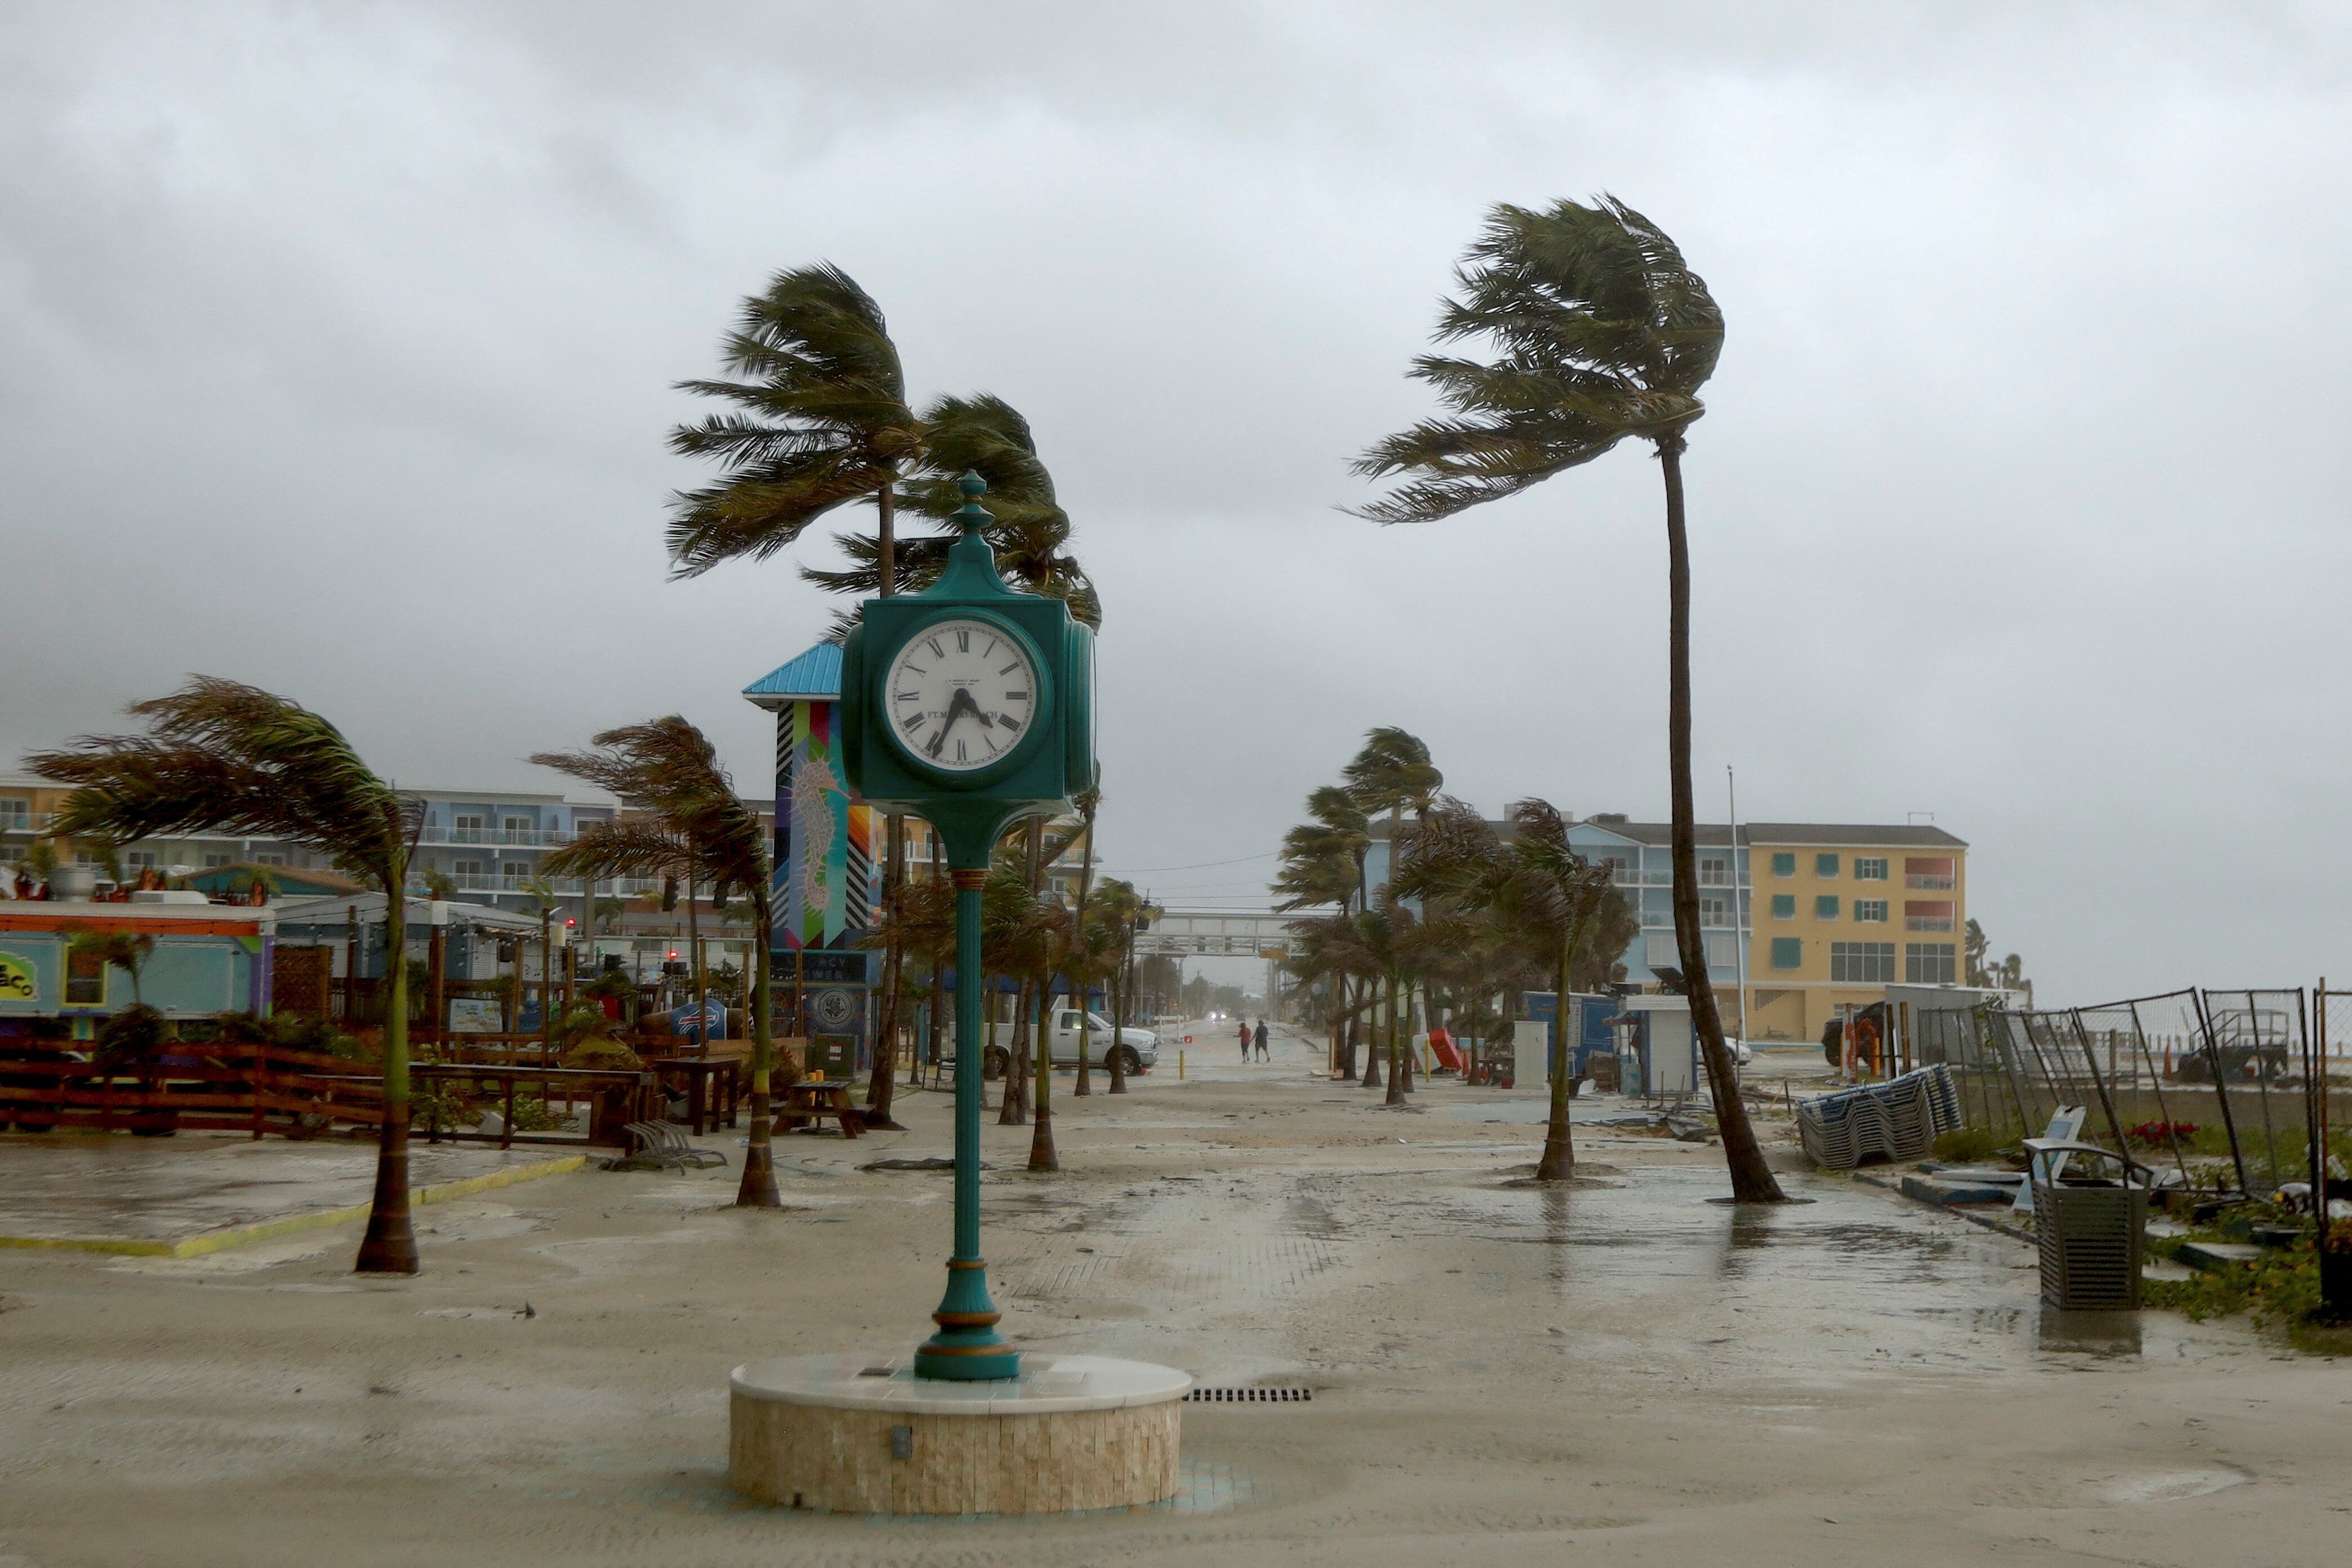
column 962, row 694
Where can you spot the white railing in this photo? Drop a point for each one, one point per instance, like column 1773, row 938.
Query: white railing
column 1930, row 884
column 504, row 838
column 24, row 821
column 1927, row 922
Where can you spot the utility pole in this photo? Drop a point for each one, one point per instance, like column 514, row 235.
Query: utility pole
column 1739, row 896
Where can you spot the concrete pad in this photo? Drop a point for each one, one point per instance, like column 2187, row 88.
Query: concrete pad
column 184, row 1196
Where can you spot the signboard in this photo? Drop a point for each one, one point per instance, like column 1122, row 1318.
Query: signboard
column 19, row 980
column 474, row 1014
column 836, row 967
column 836, row 1007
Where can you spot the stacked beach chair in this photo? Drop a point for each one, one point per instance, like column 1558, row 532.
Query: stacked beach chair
column 1897, row 1120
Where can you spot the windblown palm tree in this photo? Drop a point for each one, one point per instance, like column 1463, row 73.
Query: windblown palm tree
column 822, row 421
column 1323, row 863
column 1394, row 773
column 698, row 827
column 1602, row 332
column 1538, row 888
column 1120, row 913
column 227, row 758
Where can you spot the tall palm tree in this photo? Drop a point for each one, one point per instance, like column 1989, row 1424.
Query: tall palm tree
column 1536, row 886
column 698, row 827
column 1394, row 773
column 228, row 758
column 821, row 420
column 1602, row 332
column 1119, row 914
column 1323, row 863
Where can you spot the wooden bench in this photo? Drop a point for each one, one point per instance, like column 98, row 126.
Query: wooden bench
column 807, row 1105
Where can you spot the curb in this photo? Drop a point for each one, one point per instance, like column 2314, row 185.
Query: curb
column 264, row 1230
column 2002, row 1225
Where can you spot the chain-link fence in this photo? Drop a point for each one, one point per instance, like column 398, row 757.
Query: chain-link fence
column 2226, row 1091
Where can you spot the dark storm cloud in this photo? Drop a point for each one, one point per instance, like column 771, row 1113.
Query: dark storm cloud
column 335, row 345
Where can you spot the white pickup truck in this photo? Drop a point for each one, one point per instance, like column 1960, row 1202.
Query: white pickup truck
column 1141, row 1046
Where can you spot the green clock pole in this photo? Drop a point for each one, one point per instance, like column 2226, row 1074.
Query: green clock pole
column 969, row 804
column 966, row 1345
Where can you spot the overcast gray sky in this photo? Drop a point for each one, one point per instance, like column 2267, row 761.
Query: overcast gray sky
column 336, row 344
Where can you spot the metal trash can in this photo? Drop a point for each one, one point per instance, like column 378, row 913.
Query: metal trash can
column 2090, row 1230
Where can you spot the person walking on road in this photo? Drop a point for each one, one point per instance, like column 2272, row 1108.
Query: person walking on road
column 1261, row 1040
column 1245, row 1039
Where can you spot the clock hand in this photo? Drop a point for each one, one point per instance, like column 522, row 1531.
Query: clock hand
column 956, row 706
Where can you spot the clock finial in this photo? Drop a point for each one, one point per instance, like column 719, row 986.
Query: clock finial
column 971, row 514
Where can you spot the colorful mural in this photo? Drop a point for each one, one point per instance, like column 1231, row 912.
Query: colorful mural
column 825, row 879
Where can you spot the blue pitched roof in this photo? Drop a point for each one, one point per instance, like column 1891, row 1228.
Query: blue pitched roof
column 814, row 674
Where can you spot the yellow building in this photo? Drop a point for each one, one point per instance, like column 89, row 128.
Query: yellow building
column 1838, row 913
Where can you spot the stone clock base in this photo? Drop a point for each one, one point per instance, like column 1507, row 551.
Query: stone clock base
column 850, row 1434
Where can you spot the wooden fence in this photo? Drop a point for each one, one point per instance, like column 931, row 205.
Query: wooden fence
column 231, row 1086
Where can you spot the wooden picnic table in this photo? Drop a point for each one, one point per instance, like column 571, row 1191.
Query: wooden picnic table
column 809, row 1103
column 711, row 1083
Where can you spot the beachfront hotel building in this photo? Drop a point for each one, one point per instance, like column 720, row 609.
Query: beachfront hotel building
column 1800, row 919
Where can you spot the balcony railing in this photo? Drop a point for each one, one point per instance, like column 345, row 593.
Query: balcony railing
column 1927, row 922
column 511, row 837
column 24, row 822
column 1929, row 884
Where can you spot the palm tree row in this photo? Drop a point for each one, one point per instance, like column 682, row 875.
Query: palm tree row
column 1469, row 916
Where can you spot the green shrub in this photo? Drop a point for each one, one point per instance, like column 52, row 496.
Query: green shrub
column 1967, row 1145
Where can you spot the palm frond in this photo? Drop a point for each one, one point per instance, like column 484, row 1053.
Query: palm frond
column 1601, row 331
column 233, row 758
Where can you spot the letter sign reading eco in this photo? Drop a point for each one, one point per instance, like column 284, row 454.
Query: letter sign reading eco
column 970, row 706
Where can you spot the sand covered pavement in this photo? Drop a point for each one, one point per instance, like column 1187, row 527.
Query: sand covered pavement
column 1619, row 1371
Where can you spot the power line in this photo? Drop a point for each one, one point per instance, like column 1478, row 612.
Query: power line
column 1198, row 865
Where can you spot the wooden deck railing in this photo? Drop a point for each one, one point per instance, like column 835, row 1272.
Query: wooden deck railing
column 221, row 1085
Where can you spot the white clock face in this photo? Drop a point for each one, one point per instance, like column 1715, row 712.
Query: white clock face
column 961, row 694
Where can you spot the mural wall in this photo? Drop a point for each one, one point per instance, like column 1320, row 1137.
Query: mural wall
column 825, row 872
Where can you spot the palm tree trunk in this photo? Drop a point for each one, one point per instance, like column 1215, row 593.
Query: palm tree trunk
column 1405, row 1060
column 883, row 1082
column 758, row 1187
column 1559, row 1162
column 1368, row 1008
column 1013, row 1109
column 1041, row 1141
column 1396, row 1068
column 1752, row 1178
column 702, row 987
column 389, row 1246
column 1127, row 981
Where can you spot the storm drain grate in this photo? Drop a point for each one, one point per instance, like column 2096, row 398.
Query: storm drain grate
column 1249, row 1395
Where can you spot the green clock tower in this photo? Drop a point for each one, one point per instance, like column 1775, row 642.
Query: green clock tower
column 969, row 705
